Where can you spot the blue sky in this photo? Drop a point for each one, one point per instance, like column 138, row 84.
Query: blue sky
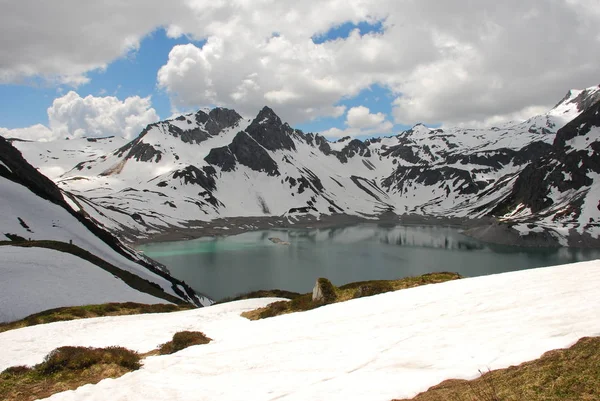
column 135, row 75
column 132, row 75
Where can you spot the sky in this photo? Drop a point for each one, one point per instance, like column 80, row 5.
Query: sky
column 354, row 67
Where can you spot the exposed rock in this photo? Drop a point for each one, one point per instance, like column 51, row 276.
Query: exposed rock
column 278, row 241
column 323, row 292
column 250, row 154
column 268, row 130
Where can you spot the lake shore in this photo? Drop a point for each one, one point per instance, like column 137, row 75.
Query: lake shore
column 238, row 225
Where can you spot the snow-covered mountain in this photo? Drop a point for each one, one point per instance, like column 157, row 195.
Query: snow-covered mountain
column 183, row 172
column 32, row 207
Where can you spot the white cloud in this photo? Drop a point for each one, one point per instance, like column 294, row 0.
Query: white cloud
column 73, row 116
column 448, row 62
column 36, row 132
column 361, row 122
column 361, row 117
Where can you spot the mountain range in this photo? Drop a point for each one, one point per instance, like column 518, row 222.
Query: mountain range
column 530, row 183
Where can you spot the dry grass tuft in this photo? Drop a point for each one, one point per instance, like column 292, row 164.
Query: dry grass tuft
column 66, row 368
column 182, row 340
column 559, row 375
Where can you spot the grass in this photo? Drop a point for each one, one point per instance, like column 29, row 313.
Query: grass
column 559, row 375
column 129, row 278
column 89, row 311
column 182, row 340
column 262, row 294
column 66, row 368
column 346, row 292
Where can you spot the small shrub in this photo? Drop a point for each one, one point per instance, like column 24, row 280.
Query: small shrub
column 183, row 339
column 80, row 358
column 16, row 371
column 274, row 309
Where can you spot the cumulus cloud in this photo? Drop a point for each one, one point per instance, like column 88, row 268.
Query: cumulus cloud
column 38, row 132
column 73, row 116
column 445, row 62
column 361, row 122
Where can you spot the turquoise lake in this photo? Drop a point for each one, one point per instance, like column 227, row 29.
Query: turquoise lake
column 230, row 265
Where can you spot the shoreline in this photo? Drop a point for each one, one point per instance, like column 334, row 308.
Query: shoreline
column 487, row 230
column 228, row 226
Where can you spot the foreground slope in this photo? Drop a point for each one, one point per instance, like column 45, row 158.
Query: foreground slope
column 387, row 346
column 33, row 208
column 185, row 172
column 35, row 280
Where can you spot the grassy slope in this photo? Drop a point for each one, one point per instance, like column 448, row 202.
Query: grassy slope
column 565, row 374
column 88, row 311
column 130, row 279
column 346, row 292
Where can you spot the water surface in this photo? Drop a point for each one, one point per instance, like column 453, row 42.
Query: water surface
column 226, row 266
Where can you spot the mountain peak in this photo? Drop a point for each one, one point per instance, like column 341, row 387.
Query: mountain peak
column 267, row 114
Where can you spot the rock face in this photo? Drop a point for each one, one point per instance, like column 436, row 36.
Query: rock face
column 268, row 130
column 323, row 292
column 561, row 186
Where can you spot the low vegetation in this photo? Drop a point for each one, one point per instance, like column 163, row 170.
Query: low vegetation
column 182, row 340
column 346, row 292
column 88, row 311
column 66, row 368
column 565, row 374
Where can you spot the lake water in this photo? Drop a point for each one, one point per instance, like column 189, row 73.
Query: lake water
column 226, row 266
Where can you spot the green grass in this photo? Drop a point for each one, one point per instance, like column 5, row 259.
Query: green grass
column 66, row 368
column 89, row 311
column 182, row 340
column 559, row 375
column 346, row 292
column 130, row 279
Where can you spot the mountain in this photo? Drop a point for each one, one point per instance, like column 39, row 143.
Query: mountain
column 33, row 208
column 561, row 189
column 183, row 173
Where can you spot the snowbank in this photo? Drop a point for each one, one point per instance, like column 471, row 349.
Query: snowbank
column 377, row 348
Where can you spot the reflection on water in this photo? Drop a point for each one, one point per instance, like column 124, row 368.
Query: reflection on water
column 226, row 266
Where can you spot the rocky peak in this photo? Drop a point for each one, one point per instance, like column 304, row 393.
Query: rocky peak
column 221, row 118
column 268, row 130
column 582, row 99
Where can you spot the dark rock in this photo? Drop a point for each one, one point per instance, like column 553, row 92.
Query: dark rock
column 268, row 130
column 250, row 154
column 221, row 157
column 220, row 119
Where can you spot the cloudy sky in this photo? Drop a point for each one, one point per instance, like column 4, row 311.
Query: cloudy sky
column 340, row 67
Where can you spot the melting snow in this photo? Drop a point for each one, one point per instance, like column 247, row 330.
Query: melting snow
column 376, row 348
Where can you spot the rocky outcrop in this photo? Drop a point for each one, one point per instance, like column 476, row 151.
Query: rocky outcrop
column 323, row 292
column 268, row 130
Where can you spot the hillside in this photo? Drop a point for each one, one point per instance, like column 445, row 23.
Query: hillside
column 387, row 346
column 182, row 174
column 32, row 208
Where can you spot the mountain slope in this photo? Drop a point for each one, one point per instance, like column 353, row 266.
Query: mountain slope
column 32, row 207
column 561, row 189
column 185, row 172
